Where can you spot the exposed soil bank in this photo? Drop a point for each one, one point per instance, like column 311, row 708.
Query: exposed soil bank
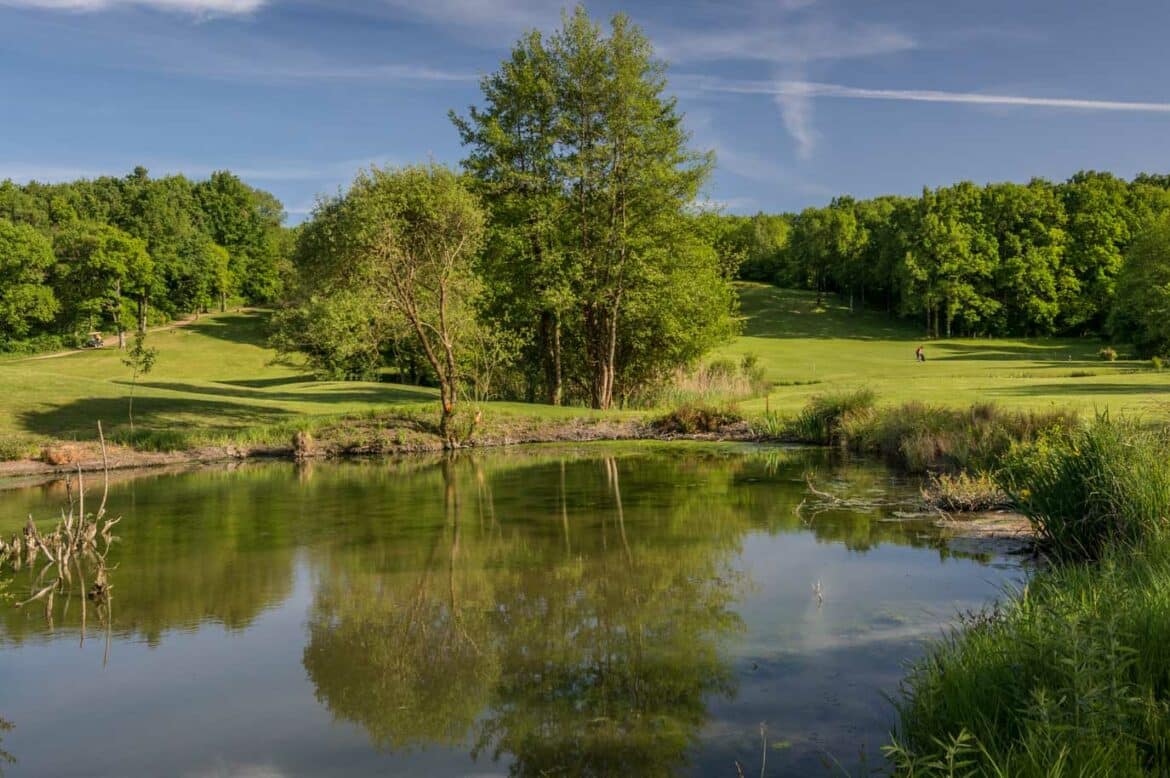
column 347, row 441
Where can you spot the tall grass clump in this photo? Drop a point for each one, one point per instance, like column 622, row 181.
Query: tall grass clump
column 827, row 416
column 919, row 437
column 1088, row 487
column 1070, row 678
column 718, row 382
column 691, row 419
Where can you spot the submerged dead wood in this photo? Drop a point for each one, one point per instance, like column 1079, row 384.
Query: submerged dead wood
column 71, row 560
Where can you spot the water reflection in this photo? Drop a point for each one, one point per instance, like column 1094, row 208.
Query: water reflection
column 596, row 611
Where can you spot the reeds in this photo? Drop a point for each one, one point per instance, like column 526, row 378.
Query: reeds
column 1070, row 678
column 1091, row 487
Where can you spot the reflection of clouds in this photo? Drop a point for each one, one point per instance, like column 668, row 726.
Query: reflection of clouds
column 240, row 771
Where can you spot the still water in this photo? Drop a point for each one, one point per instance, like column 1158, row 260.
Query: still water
column 605, row 610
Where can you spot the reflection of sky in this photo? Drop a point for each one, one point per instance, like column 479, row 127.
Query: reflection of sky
column 817, row 676
column 211, row 701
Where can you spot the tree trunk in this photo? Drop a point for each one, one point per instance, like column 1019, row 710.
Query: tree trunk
column 118, row 316
column 223, row 302
column 142, row 313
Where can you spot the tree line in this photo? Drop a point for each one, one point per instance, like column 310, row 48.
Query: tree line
column 115, row 253
column 564, row 262
column 1083, row 256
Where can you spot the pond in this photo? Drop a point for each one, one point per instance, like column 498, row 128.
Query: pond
column 603, row 610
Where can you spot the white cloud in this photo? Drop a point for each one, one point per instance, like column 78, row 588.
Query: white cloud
column 198, row 7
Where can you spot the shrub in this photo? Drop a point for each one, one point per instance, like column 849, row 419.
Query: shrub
column 827, row 416
column 1071, row 678
column 964, row 492
column 720, row 381
column 1156, row 362
column 1091, row 486
column 692, row 419
column 1109, row 354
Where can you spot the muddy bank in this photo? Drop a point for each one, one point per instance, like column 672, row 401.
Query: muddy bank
column 343, row 442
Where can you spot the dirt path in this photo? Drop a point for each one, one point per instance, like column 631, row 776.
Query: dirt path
column 172, row 326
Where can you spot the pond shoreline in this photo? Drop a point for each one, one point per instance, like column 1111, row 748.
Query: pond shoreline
column 87, row 456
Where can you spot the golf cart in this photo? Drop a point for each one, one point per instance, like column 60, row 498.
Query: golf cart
column 95, row 340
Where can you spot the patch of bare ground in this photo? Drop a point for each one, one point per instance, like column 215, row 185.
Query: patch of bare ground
column 988, row 532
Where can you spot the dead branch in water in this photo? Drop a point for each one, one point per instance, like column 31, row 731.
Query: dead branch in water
column 60, row 560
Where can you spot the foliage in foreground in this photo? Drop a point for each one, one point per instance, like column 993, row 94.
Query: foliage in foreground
column 1070, row 678
column 1086, row 488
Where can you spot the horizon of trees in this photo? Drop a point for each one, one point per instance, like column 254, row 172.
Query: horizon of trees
column 119, row 253
column 1002, row 259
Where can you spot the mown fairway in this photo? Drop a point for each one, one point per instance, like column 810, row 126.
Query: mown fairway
column 216, row 374
column 800, row 343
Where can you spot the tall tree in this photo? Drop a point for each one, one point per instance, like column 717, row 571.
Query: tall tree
column 1141, row 309
column 591, row 180
column 410, row 236
column 513, row 151
column 26, row 257
column 99, row 269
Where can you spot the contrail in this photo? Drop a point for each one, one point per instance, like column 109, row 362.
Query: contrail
column 818, row 89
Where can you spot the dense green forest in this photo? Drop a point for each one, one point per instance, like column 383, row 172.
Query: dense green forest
column 1086, row 256
column 115, row 254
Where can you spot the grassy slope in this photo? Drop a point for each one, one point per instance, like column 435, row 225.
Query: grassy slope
column 216, row 375
column 797, row 342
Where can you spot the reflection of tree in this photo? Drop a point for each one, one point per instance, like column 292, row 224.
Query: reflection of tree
column 217, row 550
column 5, row 757
column 590, row 643
column 404, row 654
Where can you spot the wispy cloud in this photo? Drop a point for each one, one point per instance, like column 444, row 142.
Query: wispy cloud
column 814, row 89
column 491, row 22
column 276, row 71
column 795, row 41
column 197, row 7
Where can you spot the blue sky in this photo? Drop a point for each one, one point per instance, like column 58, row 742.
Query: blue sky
column 800, row 99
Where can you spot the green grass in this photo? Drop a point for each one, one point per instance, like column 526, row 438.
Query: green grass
column 215, row 382
column 1072, row 677
column 797, row 342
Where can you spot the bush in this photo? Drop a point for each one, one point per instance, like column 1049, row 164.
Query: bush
column 1156, row 363
column 692, row 419
column 964, row 492
column 1071, row 678
column 1109, row 354
column 1092, row 486
column 827, row 416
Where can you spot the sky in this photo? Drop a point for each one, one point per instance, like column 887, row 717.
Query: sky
column 801, row 100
